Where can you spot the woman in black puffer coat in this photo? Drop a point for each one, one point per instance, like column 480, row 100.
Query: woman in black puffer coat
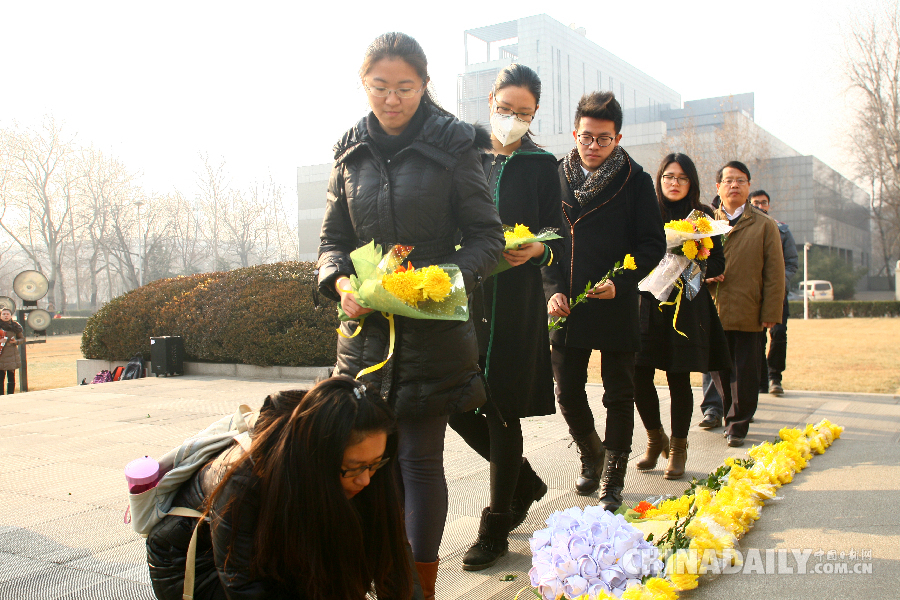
column 410, row 173
column 303, row 515
column 701, row 349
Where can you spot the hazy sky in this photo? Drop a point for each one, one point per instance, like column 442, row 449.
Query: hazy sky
column 270, row 86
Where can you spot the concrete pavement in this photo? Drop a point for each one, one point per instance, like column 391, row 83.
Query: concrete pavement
column 63, row 494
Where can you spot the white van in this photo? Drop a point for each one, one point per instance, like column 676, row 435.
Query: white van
column 817, row 289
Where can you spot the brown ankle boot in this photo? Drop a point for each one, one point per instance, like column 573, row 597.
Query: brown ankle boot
column 427, row 578
column 677, row 458
column 657, row 445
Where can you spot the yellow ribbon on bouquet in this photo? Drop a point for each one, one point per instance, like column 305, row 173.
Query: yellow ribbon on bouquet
column 392, row 337
column 677, row 303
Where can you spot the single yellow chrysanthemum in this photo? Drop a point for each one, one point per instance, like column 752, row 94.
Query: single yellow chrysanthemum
column 681, row 225
column 707, row 243
column 519, row 232
column 702, row 224
column 434, row 283
column 637, row 592
column 629, row 262
column 661, row 589
column 402, row 284
column 689, row 249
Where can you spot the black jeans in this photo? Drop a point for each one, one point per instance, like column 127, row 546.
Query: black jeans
column 617, row 372
column 647, row 400
column 10, row 377
column 500, row 444
column 740, row 386
column 771, row 367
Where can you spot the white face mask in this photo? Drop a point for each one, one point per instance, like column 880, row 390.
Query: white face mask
column 507, row 129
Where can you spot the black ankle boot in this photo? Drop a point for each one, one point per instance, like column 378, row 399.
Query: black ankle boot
column 492, row 542
column 592, row 458
column 613, row 480
column 529, row 489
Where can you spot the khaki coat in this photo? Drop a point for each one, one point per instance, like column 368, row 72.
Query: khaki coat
column 753, row 290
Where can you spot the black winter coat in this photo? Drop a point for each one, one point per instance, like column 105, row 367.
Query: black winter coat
column 705, row 348
column 622, row 219
column 425, row 196
column 511, row 314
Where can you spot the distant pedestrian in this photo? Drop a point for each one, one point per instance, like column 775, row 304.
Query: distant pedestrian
column 703, row 346
column 772, row 366
column 749, row 295
column 11, row 335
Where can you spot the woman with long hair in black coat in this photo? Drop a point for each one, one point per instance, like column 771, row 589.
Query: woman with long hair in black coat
column 307, row 513
column 410, row 173
column 703, row 347
column 511, row 316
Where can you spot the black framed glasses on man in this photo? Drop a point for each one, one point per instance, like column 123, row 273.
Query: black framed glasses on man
column 586, row 139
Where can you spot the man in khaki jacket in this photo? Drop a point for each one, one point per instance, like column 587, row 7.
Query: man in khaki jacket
column 748, row 295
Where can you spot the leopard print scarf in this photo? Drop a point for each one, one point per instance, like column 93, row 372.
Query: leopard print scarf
column 586, row 188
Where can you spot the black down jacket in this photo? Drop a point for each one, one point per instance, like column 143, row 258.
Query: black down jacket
column 430, row 195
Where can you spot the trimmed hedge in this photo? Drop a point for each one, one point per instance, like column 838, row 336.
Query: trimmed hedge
column 262, row 315
column 84, row 312
column 61, row 326
column 846, row 308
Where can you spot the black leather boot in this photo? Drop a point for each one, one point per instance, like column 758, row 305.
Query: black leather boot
column 492, row 542
column 592, row 458
column 529, row 489
column 613, row 480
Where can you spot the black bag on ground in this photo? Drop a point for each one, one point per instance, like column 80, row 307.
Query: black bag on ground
column 134, row 369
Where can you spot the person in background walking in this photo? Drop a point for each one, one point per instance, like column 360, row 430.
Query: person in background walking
column 410, row 173
column 510, row 316
column 11, row 335
column 749, row 295
column 703, row 346
column 772, row 367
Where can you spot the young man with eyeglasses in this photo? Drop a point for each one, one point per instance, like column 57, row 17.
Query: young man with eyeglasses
column 772, row 366
column 610, row 210
column 748, row 295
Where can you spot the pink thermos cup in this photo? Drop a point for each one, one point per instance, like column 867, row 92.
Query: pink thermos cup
column 142, row 474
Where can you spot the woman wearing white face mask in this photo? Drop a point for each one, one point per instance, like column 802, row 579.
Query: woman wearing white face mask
column 511, row 316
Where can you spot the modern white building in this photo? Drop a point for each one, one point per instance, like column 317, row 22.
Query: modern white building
column 569, row 66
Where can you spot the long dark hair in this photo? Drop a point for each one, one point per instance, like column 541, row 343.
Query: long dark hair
column 399, row 45
column 309, row 537
column 687, row 165
column 516, row 75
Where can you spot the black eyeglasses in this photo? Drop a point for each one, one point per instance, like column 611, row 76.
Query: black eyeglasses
column 524, row 117
column 357, row 471
column 672, row 179
column 586, row 139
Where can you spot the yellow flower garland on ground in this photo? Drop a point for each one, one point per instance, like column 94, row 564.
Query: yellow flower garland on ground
column 721, row 518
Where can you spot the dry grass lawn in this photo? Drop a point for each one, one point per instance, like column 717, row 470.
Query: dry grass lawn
column 838, row 355
column 52, row 365
column 833, row 355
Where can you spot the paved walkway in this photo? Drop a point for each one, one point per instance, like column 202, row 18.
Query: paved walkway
column 62, row 492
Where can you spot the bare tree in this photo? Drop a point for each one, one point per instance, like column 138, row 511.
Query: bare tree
column 215, row 192
column 873, row 69
column 38, row 198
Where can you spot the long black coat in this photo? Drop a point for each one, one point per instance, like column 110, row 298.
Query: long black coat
column 423, row 196
column 511, row 315
column 623, row 219
column 705, row 348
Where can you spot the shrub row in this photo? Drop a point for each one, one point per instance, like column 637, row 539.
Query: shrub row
column 847, row 308
column 262, row 315
column 60, row 326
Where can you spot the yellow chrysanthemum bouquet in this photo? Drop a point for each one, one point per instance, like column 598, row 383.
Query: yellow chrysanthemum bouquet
column 519, row 236
column 688, row 243
column 388, row 284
